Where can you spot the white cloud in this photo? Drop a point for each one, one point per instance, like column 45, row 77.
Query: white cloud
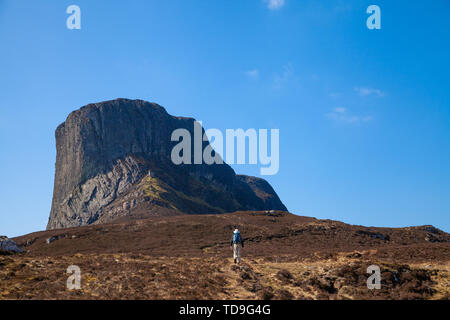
column 253, row 74
column 369, row 91
column 335, row 95
column 342, row 7
column 285, row 76
column 341, row 115
column 274, row 4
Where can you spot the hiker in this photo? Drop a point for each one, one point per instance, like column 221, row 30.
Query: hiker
column 236, row 244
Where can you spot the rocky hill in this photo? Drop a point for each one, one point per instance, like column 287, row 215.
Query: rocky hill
column 113, row 161
column 267, row 233
column 188, row 257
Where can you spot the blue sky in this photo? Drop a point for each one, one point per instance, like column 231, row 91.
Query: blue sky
column 364, row 115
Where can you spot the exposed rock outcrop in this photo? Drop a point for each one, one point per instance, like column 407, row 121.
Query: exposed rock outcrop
column 113, row 161
column 8, row 246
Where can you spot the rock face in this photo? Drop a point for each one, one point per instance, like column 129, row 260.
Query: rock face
column 113, row 162
column 8, row 246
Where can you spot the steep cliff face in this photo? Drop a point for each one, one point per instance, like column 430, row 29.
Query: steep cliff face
column 113, row 161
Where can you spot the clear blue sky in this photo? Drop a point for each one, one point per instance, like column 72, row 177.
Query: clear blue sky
column 364, row 115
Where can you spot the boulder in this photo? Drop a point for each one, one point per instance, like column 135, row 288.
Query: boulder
column 54, row 238
column 8, row 246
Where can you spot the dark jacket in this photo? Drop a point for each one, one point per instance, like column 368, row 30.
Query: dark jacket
column 242, row 241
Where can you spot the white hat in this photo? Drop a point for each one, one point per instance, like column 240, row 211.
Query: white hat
column 236, row 231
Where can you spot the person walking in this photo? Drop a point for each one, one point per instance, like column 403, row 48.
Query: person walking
column 236, row 244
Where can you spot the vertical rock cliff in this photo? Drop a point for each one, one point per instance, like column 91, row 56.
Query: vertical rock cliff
column 113, row 162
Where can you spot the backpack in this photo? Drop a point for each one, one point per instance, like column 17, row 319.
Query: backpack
column 237, row 237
